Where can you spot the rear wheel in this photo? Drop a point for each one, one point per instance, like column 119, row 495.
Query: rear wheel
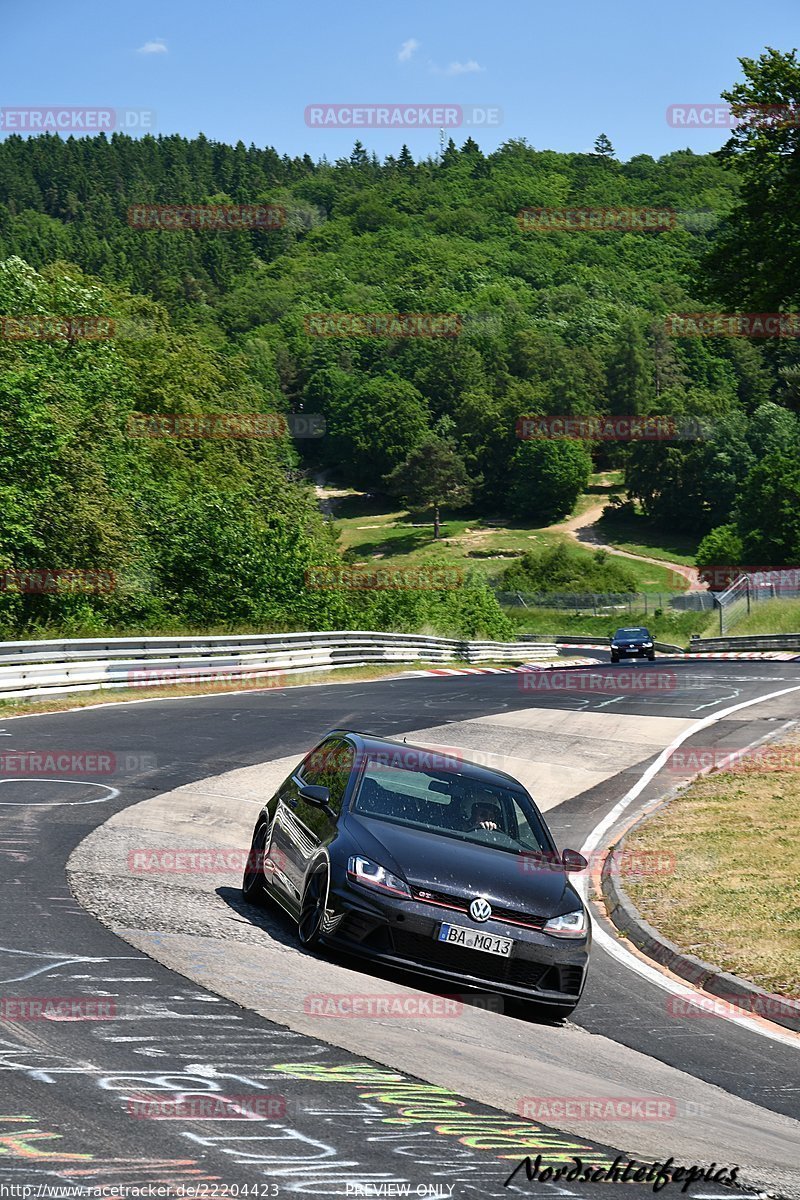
column 253, row 879
column 312, row 909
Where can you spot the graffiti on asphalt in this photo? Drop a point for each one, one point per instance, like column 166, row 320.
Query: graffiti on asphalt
column 442, row 1110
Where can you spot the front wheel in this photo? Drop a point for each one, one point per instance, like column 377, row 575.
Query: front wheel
column 312, row 908
column 652, row 657
column 614, row 657
column 555, row 1012
column 253, row 879
column 538, row 1011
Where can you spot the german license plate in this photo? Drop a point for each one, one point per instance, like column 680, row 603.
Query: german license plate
column 473, row 939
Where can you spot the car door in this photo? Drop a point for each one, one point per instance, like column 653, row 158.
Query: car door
column 275, row 857
column 301, row 828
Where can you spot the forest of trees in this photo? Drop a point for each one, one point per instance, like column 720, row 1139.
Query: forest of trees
column 570, row 322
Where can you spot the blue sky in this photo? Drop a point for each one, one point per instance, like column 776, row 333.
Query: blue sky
column 560, row 72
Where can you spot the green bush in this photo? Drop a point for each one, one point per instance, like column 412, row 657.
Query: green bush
column 559, row 568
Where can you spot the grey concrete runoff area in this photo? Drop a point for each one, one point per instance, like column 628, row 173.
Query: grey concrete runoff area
column 196, row 923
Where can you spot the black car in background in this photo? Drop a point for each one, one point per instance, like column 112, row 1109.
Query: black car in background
column 425, row 862
column 632, row 643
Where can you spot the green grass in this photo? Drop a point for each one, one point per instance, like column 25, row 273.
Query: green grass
column 399, row 540
column 770, row 616
column 638, row 535
column 717, row 901
column 653, row 579
column 672, row 627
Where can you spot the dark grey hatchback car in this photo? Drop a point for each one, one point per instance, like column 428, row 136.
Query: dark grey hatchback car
column 632, row 643
column 417, row 859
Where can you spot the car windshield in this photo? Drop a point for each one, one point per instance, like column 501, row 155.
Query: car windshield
column 453, row 805
column 631, row 635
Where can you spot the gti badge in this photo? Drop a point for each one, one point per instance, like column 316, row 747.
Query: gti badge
column 480, row 909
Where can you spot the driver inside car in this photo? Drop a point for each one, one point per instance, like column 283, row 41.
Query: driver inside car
column 485, row 813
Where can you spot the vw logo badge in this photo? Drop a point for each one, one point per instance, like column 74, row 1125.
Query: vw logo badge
column 480, row 909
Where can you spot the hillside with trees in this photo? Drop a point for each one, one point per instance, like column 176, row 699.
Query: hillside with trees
column 205, row 532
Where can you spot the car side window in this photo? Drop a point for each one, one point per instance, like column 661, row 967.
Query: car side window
column 330, row 765
column 529, row 832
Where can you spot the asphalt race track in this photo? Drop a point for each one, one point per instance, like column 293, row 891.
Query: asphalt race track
column 75, row 1093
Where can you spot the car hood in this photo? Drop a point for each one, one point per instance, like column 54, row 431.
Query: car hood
column 443, row 864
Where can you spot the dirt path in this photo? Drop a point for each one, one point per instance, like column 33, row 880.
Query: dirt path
column 582, row 529
column 328, row 496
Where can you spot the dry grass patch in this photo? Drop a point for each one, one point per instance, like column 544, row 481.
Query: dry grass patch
column 733, row 898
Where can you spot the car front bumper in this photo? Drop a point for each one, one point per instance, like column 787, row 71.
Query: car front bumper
column 404, row 934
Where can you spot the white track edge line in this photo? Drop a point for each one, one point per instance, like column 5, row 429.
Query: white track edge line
column 608, row 943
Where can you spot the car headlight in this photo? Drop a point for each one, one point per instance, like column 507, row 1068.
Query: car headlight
column 647, row 644
column 372, row 874
column 570, row 925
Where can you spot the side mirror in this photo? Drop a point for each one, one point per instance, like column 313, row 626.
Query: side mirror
column 320, row 797
column 573, row 861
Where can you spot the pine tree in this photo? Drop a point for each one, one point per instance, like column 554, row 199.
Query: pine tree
column 629, row 372
column 405, row 161
column 450, row 154
column 359, row 156
column 603, row 147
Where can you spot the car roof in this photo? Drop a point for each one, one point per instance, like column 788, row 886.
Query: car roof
column 366, row 742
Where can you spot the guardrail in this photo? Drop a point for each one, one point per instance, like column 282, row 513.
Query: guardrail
column 579, row 639
column 611, row 605
column 756, row 641
column 77, row 664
